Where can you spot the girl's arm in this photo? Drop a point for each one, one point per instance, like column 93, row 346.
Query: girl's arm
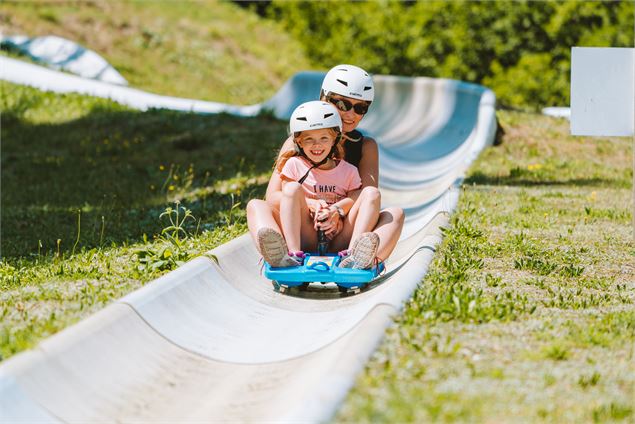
column 330, row 219
column 369, row 174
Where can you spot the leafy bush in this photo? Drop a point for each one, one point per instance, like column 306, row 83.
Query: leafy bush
column 520, row 49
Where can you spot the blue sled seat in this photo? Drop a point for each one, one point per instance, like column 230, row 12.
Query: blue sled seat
column 322, row 269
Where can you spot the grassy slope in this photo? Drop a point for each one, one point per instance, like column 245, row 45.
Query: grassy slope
column 74, row 163
column 205, row 50
column 527, row 311
column 190, row 49
column 67, row 153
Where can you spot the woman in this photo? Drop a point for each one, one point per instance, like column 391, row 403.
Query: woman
column 351, row 90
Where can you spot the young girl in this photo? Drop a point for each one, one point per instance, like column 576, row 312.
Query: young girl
column 351, row 90
column 316, row 183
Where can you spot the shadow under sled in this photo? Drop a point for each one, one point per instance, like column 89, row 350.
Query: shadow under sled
column 322, row 269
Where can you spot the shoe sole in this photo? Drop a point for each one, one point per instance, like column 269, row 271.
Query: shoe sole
column 272, row 246
column 364, row 250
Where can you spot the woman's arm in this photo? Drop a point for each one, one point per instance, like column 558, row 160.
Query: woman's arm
column 274, row 187
column 368, row 167
column 369, row 163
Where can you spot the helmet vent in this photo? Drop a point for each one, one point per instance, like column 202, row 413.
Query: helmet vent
column 301, row 118
column 342, row 82
column 326, row 115
column 368, row 88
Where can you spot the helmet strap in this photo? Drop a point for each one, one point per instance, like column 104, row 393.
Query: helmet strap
column 314, row 164
column 300, row 152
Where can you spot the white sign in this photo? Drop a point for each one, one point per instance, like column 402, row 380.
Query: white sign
column 602, row 91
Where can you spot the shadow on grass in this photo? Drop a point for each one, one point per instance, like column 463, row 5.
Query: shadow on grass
column 480, row 178
column 125, row 166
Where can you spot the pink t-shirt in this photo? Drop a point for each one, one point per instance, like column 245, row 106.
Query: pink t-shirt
column 331, row 185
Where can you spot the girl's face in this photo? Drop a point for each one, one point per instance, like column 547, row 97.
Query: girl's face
column 317, row 144
column 350, row 118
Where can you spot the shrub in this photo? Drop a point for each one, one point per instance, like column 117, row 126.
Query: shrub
column 519, row 49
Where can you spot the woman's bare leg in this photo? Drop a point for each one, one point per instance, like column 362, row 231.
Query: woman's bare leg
column 388, row 229
column 274, row 200
column 295, row 219
column 260, row 215
column 388, row 226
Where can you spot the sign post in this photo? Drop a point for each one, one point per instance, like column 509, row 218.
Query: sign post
column 603, row 94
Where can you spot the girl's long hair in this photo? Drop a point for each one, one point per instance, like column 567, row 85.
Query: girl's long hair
column 337, row 151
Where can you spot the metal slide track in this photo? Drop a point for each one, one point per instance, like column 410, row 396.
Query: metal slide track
column 211, row 342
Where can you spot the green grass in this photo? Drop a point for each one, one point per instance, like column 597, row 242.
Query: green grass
column 87, row 179
column 69, row 157
column 209, row 50
column 527, row 311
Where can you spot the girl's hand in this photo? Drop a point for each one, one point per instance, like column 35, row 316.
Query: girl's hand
column 315, row 205
column 328, row 220
column 335, row 230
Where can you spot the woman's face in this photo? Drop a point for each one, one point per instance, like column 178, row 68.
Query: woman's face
column 350, row 118
column 317, row 144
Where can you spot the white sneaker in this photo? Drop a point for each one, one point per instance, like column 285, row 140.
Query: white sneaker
column 363, row 253
column 274, row 250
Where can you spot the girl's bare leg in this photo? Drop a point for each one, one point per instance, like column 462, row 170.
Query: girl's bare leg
column 260, row 215
column 361, row 218
column 388, row 226
column 295, row 219
column 365, row 216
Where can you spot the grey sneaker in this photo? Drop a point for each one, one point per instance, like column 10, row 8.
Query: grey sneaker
column 273, row 249
column 363, row 253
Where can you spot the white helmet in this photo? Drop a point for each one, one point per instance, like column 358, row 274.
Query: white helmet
column 349, row 81
column 315, row 115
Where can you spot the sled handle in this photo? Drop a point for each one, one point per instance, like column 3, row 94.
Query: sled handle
column 317, row 265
